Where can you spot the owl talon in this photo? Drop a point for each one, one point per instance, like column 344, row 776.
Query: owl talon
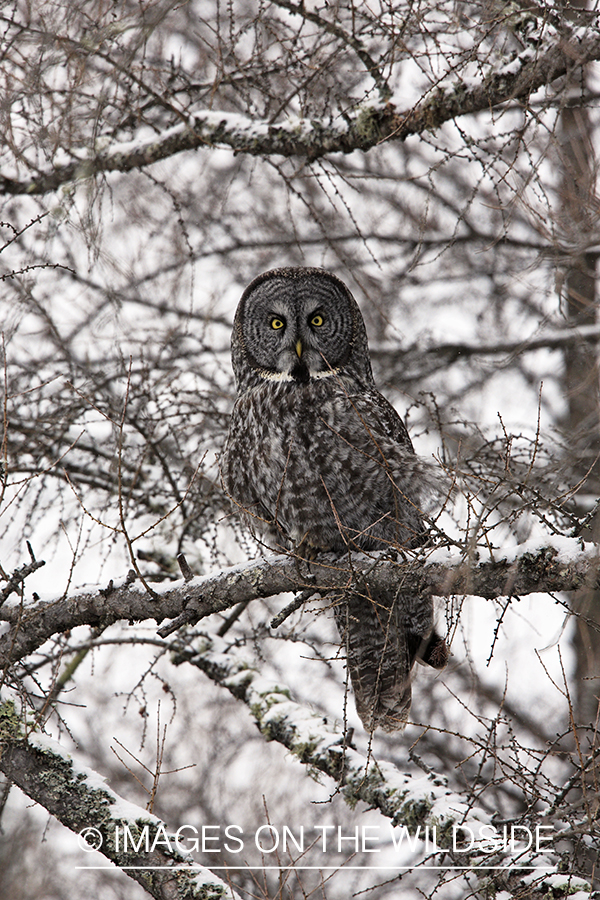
column 305, row 576
column 434, row 652
column 305, row 550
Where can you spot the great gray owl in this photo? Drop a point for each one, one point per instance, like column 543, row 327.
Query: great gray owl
column 320, row 461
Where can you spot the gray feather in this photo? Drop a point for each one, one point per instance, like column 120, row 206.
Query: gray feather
column 317, row 460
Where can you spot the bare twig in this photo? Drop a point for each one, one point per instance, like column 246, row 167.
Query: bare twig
column 15, row 582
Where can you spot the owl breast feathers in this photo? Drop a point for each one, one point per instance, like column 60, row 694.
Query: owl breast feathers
column 318, row 460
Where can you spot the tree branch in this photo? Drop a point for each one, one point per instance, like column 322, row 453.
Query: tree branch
column 372, row 67
column 424, row 801
column 369, row 126
column 16, row 580
column 447, row 353
column 78, row 797
column 561, row 564
column 322, row 746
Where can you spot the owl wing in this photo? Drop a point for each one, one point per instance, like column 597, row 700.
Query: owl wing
column 412, row 477
column 385, row 633
column 235, row 469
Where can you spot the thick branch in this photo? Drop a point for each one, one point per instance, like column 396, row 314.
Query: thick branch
column 423, row 801
column 78, row 797
column 322, row 746
column 371, row 125
column 560, row 565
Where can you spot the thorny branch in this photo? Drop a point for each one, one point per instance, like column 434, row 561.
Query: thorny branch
column 16, row 580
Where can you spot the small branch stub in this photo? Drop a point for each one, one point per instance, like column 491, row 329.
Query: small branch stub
column 184, row 567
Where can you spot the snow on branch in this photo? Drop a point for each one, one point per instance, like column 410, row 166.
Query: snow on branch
column 321, row 746
column 127, row 835
column 369, row 125
column 425, row 801
column 559, row 564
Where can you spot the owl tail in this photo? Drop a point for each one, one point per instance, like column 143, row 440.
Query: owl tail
column 383, row 637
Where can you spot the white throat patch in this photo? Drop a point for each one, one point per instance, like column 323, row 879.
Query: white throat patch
column 285, row 376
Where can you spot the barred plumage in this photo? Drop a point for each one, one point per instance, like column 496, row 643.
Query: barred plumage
column 320, row 461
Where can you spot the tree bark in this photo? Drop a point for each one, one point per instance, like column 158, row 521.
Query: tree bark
column 565, row 566
column 78, row 797
column 581, row 374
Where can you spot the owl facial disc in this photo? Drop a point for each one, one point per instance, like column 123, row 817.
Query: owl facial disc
column 298, row 325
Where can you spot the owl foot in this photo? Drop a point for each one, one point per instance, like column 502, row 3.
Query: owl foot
column 305, row 549
column 433, row 651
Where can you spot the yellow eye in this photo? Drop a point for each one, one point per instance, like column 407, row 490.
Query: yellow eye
column 317, row 320
column 277, row 323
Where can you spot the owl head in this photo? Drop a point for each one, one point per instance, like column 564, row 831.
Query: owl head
column 298, row 324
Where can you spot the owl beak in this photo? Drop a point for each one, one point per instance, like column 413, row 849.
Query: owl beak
column 299, row 348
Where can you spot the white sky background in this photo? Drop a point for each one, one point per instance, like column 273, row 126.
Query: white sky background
column 534, row 624
column 442, row 299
